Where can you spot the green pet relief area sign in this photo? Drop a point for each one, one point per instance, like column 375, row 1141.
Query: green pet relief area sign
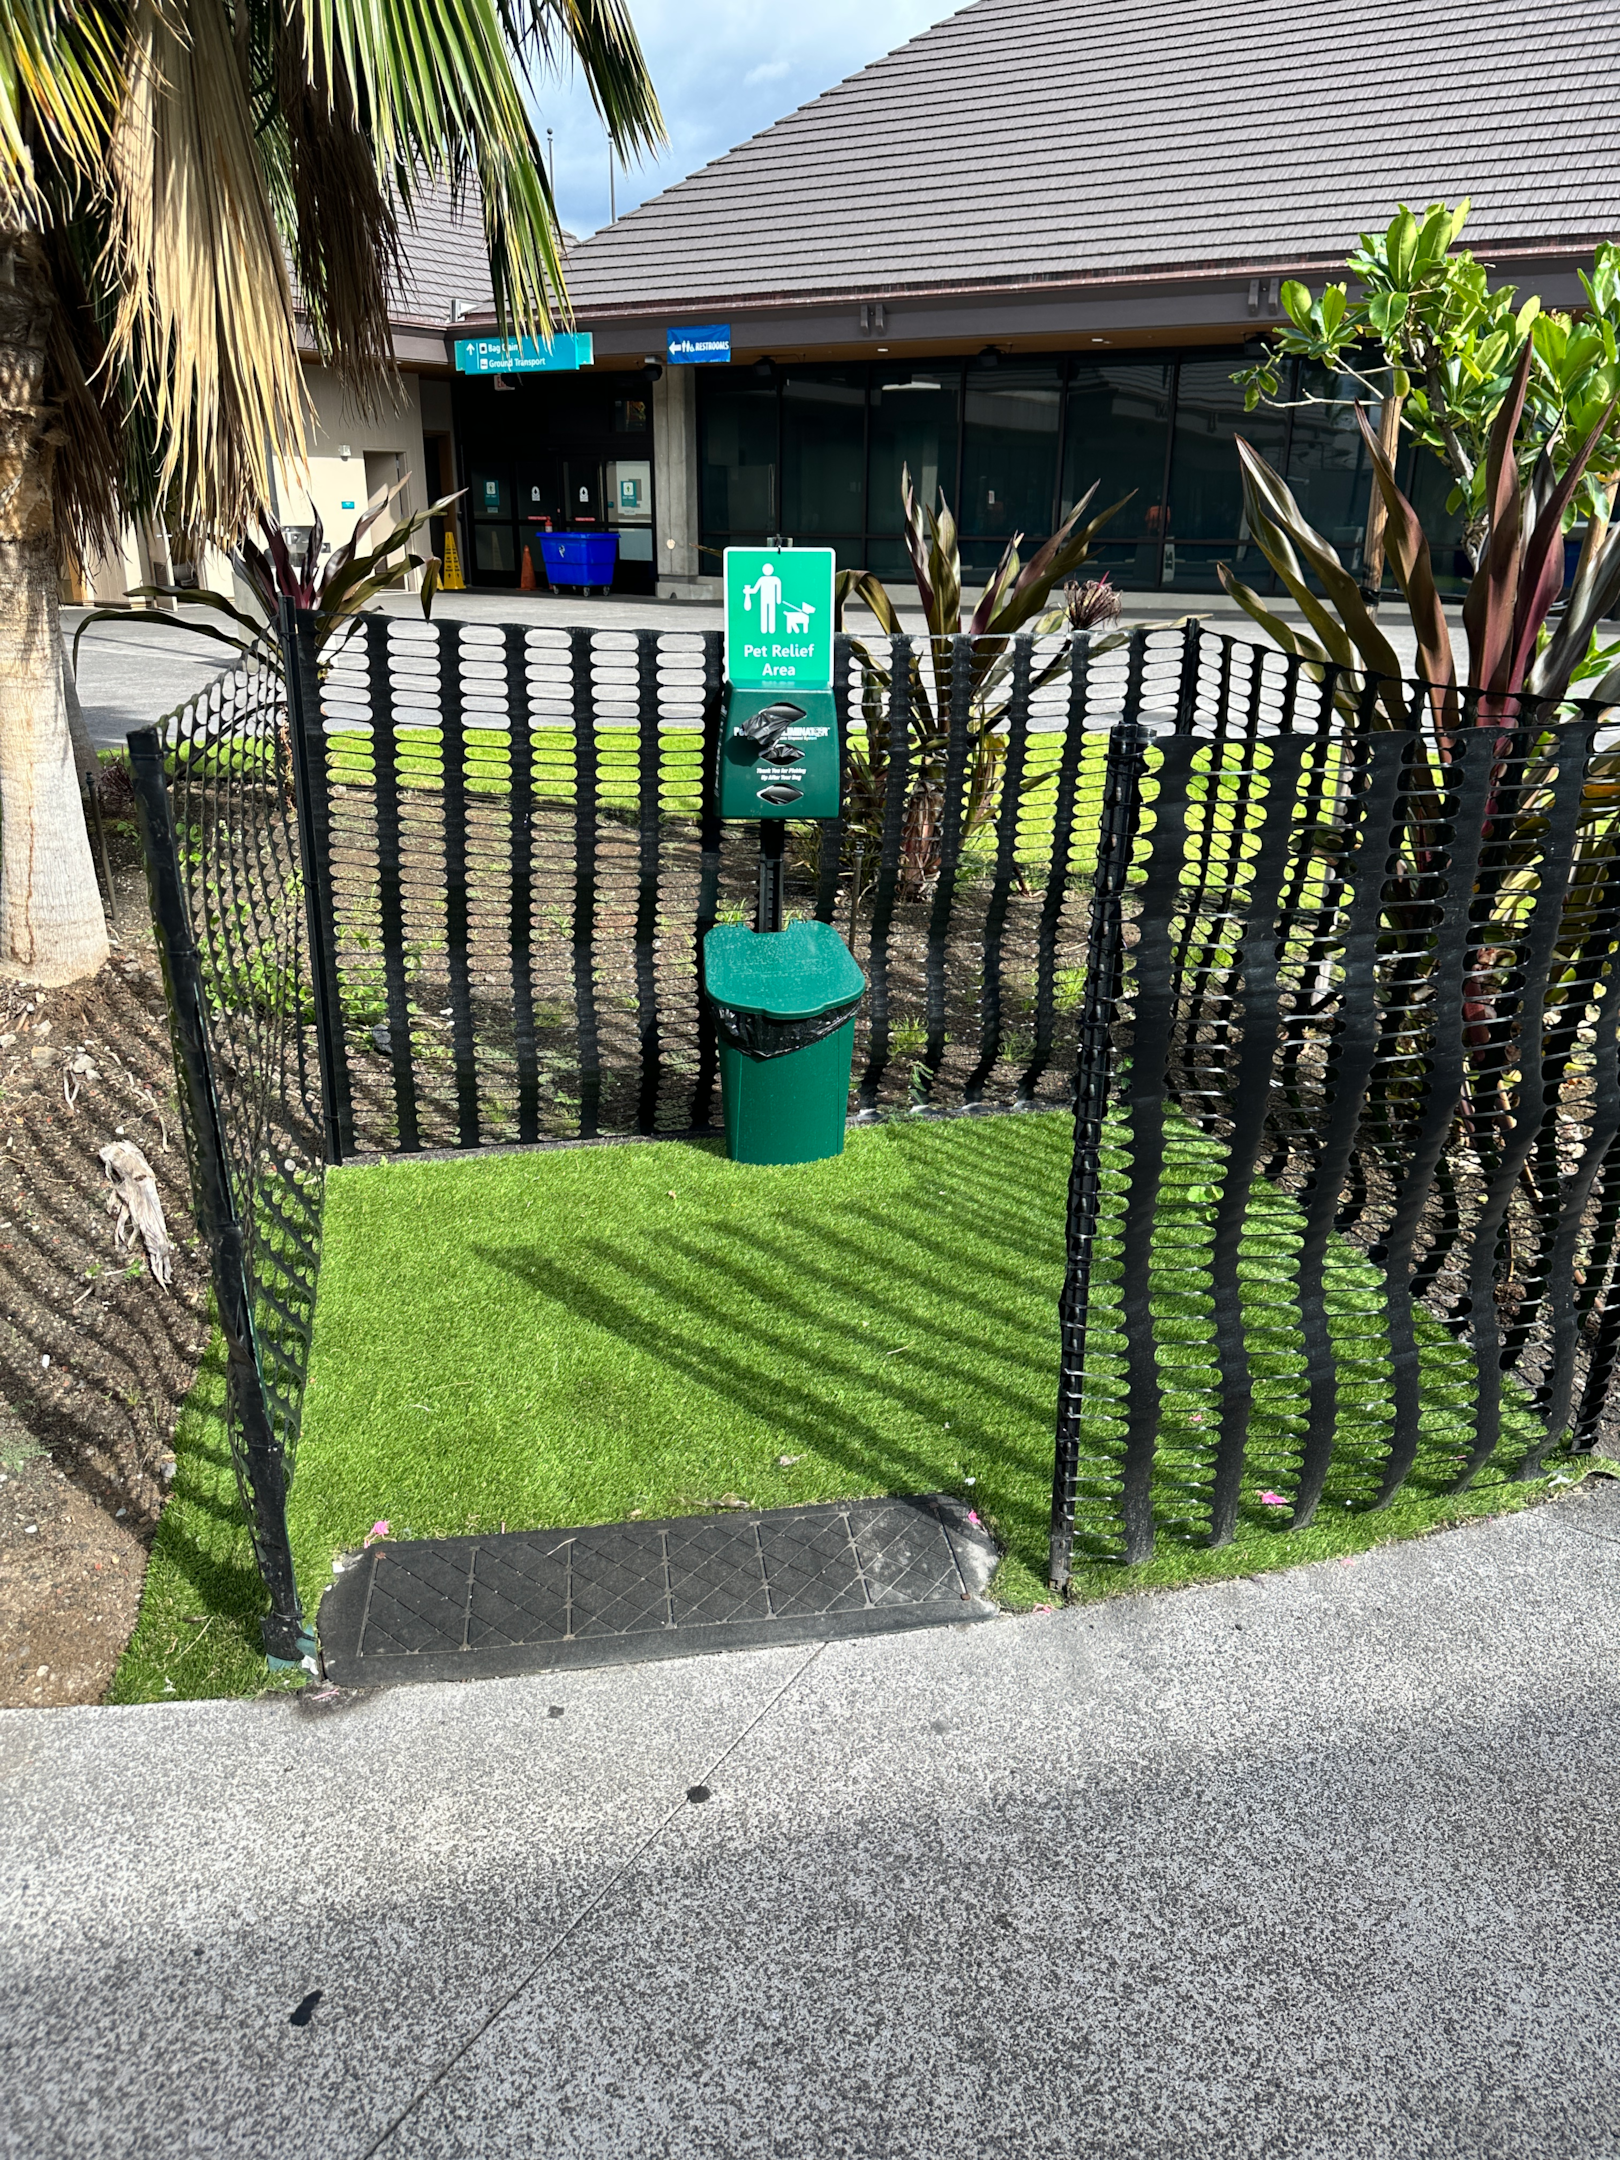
column 779, row 618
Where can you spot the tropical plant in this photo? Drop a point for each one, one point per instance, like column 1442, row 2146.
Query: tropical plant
column 1015, row 598
column 162, row 164
column 332, row 590
column 1518, row 666
column 1511, row 646
column 1427, row 333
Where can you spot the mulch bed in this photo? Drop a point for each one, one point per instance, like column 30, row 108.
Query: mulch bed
column 95, row 1356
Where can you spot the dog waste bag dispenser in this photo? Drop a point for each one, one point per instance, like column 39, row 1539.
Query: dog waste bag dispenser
column 784, row 1000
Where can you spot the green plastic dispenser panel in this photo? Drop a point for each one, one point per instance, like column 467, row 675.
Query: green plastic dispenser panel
column 779, row 755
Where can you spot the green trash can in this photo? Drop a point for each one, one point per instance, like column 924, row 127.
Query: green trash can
column 784, row 1002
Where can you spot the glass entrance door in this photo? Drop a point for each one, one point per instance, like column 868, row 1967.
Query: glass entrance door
column 495, row 543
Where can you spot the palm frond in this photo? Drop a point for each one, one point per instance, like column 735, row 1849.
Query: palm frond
column 205, row 319
column 346, row 266
column 61, row 81
column 437, row 96
column 598, row 36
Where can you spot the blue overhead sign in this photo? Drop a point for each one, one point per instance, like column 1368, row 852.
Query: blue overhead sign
column 696, row 345
column 523, row 356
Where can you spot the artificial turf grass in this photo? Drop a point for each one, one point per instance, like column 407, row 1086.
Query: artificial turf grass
column 570, row 1336
column 952, row 1228
column 198, row 1632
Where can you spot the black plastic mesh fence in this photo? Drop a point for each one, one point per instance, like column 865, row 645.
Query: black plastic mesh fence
column 1346, row 1191
column 524, row 863
column 1335, row 964
column 217, row 798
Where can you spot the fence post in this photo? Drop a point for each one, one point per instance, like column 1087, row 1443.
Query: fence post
column 1187, row 689
column 301, row 671
column 1105, row 947
column 263, row 1460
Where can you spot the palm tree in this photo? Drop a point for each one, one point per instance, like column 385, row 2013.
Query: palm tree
column 171, row 171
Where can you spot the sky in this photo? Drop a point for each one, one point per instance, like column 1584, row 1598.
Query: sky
column 723, row 69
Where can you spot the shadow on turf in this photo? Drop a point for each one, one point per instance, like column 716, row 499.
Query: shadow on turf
column 735, row 1292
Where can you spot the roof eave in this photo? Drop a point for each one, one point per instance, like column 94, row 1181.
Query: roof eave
column 1207, row 272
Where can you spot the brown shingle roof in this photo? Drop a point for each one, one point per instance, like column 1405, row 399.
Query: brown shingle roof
column 1030, row 142
column 446, row 260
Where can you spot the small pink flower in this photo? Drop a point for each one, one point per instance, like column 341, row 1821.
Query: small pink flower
column 377, row 1530
column 1043, row 1608
column 1273, row 1499
column 973, row 1519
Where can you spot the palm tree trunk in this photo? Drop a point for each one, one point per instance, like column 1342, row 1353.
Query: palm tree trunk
column 52, row 928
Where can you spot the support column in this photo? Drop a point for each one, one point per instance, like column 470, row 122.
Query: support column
column 679, row 569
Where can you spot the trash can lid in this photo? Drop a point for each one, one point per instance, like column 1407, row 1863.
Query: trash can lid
column 794, row 974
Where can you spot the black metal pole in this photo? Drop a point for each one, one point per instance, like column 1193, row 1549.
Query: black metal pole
column 772, row 834
column 1105, row 946
column 301, row 670
column 263, row 1460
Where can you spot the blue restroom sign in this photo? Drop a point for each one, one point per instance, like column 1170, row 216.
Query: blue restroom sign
column 698, row 345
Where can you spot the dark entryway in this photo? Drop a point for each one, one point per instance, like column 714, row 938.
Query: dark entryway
column 555, row 454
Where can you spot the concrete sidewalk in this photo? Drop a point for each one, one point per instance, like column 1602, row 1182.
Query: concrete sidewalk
column 1319, row 1864
column 131, row 674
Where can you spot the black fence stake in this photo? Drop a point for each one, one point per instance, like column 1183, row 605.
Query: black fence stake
column 1105, row 950
column 286, row 1639
column 301, row 668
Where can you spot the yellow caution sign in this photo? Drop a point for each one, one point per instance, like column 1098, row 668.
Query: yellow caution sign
column 452, row 579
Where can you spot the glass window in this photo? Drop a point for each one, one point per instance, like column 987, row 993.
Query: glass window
column 1009, row 449
column 1191, row 567
column 1427, row 480
column 494, row 547
column 737, row 433
column 1118, row 427
column 1329, row 471
column 888, row 560
column 491, row 494
column 629, row 416
column 823, row 451
column 1206, row 483
column 913, row 426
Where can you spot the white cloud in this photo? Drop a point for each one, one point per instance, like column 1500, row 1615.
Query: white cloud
column 715, row 87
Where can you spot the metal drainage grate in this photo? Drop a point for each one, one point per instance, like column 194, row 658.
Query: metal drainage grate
column 531, row 1601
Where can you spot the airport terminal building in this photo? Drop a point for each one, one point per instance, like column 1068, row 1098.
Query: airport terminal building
column 1023, row 253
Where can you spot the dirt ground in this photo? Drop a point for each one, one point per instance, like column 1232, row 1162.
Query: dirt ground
column 96, row 1356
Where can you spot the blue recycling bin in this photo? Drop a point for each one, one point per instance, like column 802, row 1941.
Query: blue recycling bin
column 579, row 558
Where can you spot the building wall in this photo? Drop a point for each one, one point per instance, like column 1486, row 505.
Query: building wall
column 352, row 455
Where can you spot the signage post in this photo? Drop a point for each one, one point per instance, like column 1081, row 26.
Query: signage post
column 783, row 1002
column 779, row 745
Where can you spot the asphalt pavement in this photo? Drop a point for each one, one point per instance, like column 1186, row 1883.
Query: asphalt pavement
column 1324, row 1863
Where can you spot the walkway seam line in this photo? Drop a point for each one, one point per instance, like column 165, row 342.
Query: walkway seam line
column 585, row 1911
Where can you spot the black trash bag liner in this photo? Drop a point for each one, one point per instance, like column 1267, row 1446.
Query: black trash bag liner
column 757, row 1035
